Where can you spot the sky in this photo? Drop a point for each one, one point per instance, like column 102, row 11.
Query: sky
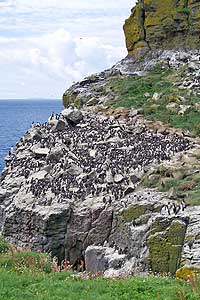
column 46, row 45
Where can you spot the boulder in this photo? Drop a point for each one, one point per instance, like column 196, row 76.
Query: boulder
column 74, row 170
column 98, row 259
column 55, row 154
column 40, row 152
column 118, row 178
column 60, row 125
column 95, row 260
column 165, row 244
column 134, row 179
column 73, row 116
column 48, row 227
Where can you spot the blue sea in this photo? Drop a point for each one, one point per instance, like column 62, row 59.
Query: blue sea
column 16, row 117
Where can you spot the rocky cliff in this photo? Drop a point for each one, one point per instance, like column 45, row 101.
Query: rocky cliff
column 168, row 24
column 115, row 177
column 78, row 182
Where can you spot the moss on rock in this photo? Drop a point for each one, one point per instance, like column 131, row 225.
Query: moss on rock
column 135, row 212
column 165, row 246
column 168, row 24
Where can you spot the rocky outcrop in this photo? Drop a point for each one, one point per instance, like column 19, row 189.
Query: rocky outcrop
column 96, row 90
column 162, row 25
column 79, row 187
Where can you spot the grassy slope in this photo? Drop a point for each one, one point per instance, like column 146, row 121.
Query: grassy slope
column 30, row 275
column 131, row 93
column 60, row 286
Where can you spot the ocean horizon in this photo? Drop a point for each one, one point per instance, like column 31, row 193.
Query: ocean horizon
column 16, row 117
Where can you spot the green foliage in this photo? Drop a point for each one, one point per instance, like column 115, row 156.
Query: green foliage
column 25, row 261
column 4, row 246
column 27, row 275
column 164, row 181
column 59, row 286
column 132, row 92
column 185, row 10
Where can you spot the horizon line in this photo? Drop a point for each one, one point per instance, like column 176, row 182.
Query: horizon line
column 38, row 98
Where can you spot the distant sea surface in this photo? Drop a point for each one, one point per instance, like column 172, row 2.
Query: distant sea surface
column 16, row 117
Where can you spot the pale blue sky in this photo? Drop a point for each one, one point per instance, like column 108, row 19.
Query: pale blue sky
column 45, row 45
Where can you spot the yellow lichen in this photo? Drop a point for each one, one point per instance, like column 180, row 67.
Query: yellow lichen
column 186, row 272
column 166, row 24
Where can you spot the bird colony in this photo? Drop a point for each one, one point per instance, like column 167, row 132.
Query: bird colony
column 79, row 155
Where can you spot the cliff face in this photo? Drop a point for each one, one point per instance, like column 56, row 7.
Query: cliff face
column 169, row 24
column 69, row 187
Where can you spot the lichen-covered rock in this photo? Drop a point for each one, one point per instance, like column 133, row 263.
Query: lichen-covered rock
column 168, row 24
column 187, row 272
column 166, row 244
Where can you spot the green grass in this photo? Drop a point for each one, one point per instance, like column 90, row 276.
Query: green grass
column 24, row 261
column 4, row 246
column 131, row 92
column 23, row 277
column 189, row 185
column 185, row 10
column 61, row 286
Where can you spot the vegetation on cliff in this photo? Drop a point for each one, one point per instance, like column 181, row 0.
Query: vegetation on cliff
column 158, row 97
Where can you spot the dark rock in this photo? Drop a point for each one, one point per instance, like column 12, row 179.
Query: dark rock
column 59, row 126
